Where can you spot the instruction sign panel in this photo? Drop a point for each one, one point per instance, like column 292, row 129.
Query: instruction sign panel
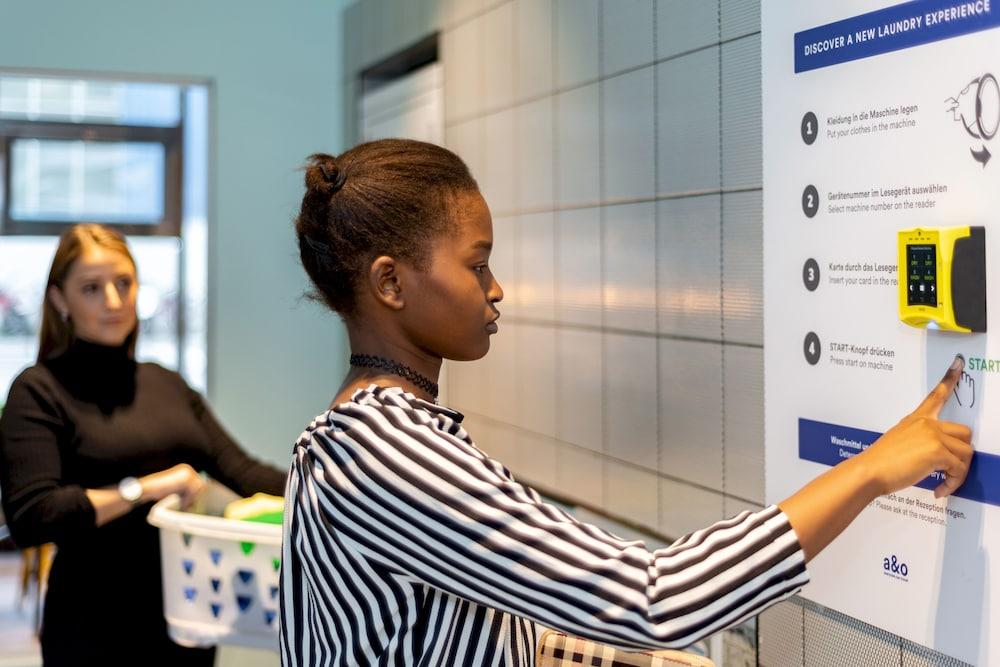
column 881, row 193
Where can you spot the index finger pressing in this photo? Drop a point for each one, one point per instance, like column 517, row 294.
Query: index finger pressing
column 931, row 406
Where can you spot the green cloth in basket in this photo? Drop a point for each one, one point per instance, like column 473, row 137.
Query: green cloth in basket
column 260, row 507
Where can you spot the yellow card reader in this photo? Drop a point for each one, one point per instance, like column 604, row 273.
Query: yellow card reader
column 942, row 278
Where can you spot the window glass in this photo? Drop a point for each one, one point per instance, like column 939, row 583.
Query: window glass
column 93, row 101
column 66, row 181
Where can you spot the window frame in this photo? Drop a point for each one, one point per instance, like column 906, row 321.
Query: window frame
column 171, row 138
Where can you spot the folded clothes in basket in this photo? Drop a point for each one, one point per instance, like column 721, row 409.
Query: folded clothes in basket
column 260, row 507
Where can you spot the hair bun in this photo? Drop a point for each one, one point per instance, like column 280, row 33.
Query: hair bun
column 323, row 175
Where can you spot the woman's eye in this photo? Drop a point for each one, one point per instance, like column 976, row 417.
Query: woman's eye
column 480, row 269
column 90, row 288
column 124, row 283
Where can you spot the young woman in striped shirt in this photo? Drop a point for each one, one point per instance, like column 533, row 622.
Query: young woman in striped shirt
column 405, row 544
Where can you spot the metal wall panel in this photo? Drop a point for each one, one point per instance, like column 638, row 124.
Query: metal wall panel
column 741, row 114
column 689, row 269
column 539, row 457
column 631, row 492
column 578, row 148
column 915, row 655
column 466, row 139
column 535, row 266
column 629, row 251
column 579, row 394
column 534, row 67
column 577, row 52
column 742, row 268
column 630, row 399
column 780, row 641
column 498, row 398
column 536, row 379
column 578, row 267
column 534, row 148
column 460, row 11
column 627, row 33
column 739, row 18
column 497, row 167
column 691, row 412
column 835, row 640
column 687, row 92
column 497, row 34
column 685, row 25
column 743, row 421
column 580, row 475
column 627, row 135
column 685, row 508
column 461, row 53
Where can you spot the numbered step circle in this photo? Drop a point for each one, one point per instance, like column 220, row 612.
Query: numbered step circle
column 810, row 274
column 810, row 201
column 811, row 348
column 809, row 128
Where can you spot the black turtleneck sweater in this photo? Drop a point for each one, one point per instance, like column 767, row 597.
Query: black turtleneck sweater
column 84, row 420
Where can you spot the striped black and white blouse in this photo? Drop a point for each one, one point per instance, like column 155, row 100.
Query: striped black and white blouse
column 404, row 544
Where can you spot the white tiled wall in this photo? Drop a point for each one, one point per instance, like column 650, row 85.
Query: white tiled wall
column 579, row 290
column 687, row 91
column 577, row 35
column 628, row 135
column 577, row 139
column 534, row 147
column 618, row 143
column 628, row 28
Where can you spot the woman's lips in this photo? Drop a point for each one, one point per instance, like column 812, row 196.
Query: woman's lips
column 492, row 327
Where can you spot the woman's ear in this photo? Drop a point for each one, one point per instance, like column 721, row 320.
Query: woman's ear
column 384, row 281
column 59, row 301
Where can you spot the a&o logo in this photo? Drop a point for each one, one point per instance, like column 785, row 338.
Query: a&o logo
column 893, row 567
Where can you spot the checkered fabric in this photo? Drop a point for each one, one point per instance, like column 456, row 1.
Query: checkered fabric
column 558, row 650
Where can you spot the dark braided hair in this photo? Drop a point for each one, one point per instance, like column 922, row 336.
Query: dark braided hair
column 388, row 197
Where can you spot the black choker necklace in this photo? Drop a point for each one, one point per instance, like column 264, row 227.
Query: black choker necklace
column 395, row 368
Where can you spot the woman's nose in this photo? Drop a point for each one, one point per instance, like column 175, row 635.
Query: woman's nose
column 495, row 294
column 111, row 298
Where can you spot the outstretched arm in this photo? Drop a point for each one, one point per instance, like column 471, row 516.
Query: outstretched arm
column 910, row 451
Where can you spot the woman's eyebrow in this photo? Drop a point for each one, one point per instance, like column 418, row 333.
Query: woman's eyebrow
column 483, row 244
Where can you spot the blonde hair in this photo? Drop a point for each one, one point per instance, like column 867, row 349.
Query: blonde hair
column 56, row 333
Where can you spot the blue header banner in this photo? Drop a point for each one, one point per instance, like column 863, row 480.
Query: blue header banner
column 830, row 444
column 891, row 29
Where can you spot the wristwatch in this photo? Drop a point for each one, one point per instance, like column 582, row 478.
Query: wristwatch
column 130, row 489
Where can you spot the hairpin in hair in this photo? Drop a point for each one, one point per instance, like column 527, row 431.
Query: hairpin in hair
column 317, row 246
column 333, row 175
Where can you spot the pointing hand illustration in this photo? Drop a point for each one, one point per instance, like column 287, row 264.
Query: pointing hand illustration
column 965, row 389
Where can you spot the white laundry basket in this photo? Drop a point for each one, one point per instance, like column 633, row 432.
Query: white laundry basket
column 220, row 577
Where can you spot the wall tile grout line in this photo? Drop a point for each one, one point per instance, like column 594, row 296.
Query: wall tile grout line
column 624, row 201
column 600, row 230
column 636, row 333
column 620, row 461
column 656, row 270
column 722, row 272
column 458, row 120
column 557, row 364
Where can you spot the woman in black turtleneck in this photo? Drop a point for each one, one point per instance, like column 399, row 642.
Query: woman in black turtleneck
column 88, row 440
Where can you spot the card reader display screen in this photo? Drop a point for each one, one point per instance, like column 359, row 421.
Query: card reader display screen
column 921, row 278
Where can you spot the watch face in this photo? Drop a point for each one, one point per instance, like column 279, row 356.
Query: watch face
column 130, row 489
